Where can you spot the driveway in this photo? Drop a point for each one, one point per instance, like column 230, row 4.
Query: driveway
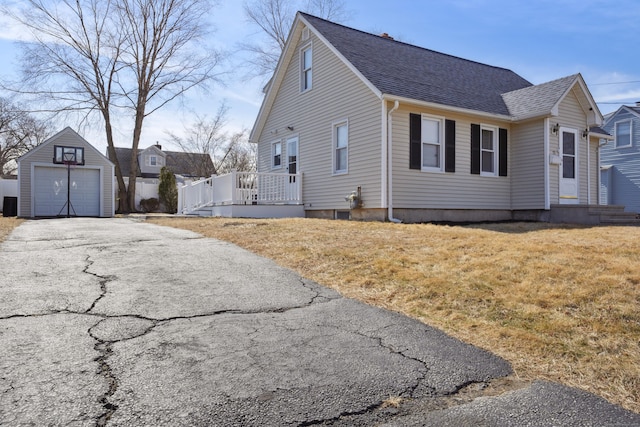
column 122, row 323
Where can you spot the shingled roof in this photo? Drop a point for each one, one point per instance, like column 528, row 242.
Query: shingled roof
column 180, row 163
column 408, row 71
column 538, row 100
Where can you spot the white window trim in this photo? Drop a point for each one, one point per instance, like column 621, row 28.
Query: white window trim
column 615, row 131
column 440, row 121
column 496, row 156
column 304, row 48
column 153, row 157
column 334, row 148
column 272, row 155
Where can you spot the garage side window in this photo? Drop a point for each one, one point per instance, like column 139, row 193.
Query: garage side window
column 62, row 155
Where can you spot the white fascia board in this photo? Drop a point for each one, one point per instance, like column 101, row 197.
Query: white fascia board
column 349, row 65
column 435, row 105
column 276, row 80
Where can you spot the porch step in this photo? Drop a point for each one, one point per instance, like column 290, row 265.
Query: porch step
column 594, row 214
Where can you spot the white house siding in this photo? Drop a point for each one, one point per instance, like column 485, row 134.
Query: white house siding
column 527, row 177
column 43, row 156
column 571, row 115
column 414, row 189
column 336, row 94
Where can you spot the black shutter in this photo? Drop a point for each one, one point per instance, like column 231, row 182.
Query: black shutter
column 415, row 141
column 502, row 152
column 475, row 149
column 449, row 146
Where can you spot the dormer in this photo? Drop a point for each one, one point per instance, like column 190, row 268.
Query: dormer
column 151, row 160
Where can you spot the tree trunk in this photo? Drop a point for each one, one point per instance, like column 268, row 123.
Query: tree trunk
column 137, row 131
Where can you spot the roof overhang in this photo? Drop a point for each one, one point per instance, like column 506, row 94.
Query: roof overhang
column 434, row 105
column 589, row 106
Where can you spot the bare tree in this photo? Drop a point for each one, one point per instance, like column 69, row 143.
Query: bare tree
column 115, row 56
column 208, row 136
column 273, row 19
column 19, row 133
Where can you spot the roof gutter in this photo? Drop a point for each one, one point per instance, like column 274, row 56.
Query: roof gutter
column 396, row 104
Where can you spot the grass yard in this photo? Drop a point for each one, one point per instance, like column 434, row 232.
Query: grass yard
column 7, row 224
column 559, row 303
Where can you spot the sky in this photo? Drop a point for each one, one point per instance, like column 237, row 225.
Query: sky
column 541, row 40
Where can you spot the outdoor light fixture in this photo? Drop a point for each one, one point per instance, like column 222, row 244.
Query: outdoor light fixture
column 290, row 128
column 585, row 133
column 555, row 128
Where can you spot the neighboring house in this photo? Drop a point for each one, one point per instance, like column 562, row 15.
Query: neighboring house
column 153, row 158
column 45, row 191
column 185, row 166
column 620, row 159
column 418, row 135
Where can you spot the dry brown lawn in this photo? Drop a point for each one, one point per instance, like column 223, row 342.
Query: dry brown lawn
column 7, row 224
column 559, row 303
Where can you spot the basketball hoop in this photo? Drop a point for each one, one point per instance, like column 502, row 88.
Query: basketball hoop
column 69, row 159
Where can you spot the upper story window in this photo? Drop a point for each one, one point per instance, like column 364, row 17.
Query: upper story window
column 306, row 61
column 68, row 155
column 431, row 140
column 623, row 134
column 276, row 155
column 488, row 151
column 153, row 160
column 340, row 147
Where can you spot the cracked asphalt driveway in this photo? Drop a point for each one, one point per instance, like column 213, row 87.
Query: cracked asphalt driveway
column 123, row 323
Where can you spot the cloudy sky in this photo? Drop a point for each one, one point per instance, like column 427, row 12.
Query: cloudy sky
column 539, row 39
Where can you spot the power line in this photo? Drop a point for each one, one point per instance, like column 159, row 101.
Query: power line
column 615, row 83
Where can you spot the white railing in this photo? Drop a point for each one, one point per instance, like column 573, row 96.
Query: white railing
column 195, row 195
column 241, row 188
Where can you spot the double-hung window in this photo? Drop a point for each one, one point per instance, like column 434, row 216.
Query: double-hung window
column 306, row 59
column 153, row 160
column 431, row 144
column 340, row 147
column 276, row 155
column 623, row 134
column 488, row 151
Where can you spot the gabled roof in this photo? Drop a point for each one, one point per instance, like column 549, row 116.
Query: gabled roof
column 611, row 117
column 408, row 71
column 67, row 132
column 544, row 99
column 180, row 163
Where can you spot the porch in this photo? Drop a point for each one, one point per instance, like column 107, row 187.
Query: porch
column 243, row 195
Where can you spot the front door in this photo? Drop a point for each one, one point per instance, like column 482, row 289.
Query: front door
column 569, row 166
column 292, row 156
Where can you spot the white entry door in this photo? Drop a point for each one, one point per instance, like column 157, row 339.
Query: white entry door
column 292, row 166
column 569, row 166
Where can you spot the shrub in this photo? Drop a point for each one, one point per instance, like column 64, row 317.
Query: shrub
column 168, row 191
column 150, row 205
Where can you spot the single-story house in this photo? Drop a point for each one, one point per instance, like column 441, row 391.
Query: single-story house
column 382, row 129
column 620, row 159
column 65, row 174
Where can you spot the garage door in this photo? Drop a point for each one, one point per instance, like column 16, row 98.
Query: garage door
column 50, row 191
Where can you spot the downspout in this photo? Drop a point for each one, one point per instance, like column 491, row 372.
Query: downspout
column 396, row 104
column 547, row 202
column 588, row 168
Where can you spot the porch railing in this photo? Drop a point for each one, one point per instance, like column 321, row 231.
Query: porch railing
column 241, row 188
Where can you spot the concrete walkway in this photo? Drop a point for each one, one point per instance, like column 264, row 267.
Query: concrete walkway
column 122, row 323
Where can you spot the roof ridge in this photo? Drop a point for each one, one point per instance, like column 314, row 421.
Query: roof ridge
column 392, row 40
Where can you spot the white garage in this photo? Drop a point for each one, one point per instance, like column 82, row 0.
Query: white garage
column 65, row 175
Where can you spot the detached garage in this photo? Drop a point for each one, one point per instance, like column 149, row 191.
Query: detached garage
column 65, row 175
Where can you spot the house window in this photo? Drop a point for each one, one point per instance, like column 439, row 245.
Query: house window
column 62, row 155
column 276, row 155
column 153, row 160
column 623, row 134
column 431, row 144
column 488, row 151
column 340, row 147
column 305, row 69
